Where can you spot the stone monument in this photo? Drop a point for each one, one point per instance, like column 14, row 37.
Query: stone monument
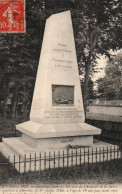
column 57, row 114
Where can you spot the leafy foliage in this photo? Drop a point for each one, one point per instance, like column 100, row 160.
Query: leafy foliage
column 97, row 27
column 110, row 87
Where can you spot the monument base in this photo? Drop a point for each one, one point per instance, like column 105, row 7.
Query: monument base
column 23, row 156
column 43, row 139
column 57, row 142
column 57, row 135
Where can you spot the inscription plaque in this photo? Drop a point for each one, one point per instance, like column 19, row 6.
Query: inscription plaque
column 62, row 95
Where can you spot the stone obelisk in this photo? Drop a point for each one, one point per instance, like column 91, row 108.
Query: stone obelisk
column 57, row 113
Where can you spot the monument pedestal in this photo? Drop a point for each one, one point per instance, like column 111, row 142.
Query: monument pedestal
column 57, row 135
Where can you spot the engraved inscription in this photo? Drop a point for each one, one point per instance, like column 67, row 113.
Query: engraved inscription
column 61, row 59
column 63, row 50
column 63, row 114
column 66, row 140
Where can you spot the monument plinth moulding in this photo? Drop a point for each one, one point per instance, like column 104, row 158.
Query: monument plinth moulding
column 57, row 114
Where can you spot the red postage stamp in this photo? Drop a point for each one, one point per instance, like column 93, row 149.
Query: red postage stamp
column 12, row 16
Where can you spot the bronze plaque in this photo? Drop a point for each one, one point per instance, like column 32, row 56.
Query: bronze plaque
column 62, row 95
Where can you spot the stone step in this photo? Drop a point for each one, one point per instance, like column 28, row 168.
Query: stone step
column 8, row 152
column 14, row 147
column 12, row 156
column 15, row 159
column 19, row 147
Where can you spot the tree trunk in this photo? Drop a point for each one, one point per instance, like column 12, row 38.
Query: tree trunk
column 13, row 107
column 5, row 103
column 25, row 111
column 85, row 96
column 5, row 108
column 93, row 39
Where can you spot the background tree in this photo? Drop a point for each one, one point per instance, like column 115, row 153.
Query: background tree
column 97, row 30
column 110, row 87
column 91, row 90
column 19, row 55
column 96, row 25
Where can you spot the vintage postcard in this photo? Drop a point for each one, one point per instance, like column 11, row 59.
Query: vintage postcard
column 60, row 97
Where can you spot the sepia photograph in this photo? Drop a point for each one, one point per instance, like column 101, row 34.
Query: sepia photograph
column 60, row 97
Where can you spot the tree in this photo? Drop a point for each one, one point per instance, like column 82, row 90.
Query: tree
column 97, row 30
column 17, row 66
column 19, row 55
column 110, row 87
column 91, row 91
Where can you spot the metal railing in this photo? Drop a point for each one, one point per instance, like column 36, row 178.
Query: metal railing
column 111, row 131
column 60, row 160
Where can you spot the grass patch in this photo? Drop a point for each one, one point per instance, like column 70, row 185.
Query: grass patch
column 100, row 173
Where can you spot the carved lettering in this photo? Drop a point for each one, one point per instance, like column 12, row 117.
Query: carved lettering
column 63, row 114
column 63, row 50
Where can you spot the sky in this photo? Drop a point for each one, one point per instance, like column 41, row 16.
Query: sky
column 101, row 63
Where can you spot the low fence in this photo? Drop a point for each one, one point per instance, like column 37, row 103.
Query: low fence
column 111, row 131
column 70, row 158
